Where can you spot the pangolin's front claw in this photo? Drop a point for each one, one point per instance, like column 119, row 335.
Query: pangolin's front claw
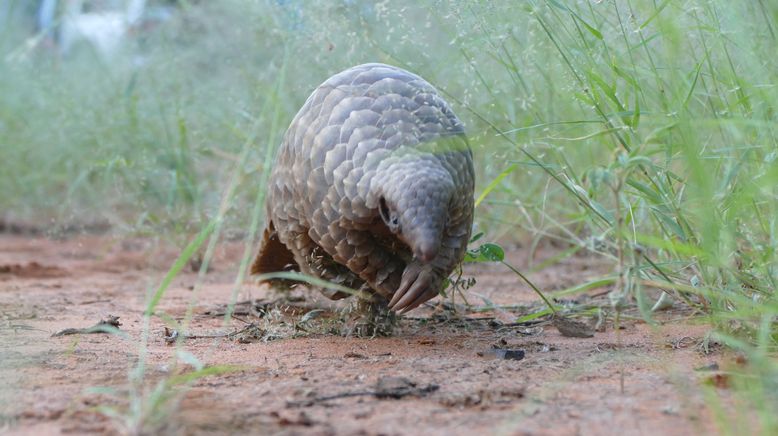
column 427, row 295
column 418, row 286
column 408, row 279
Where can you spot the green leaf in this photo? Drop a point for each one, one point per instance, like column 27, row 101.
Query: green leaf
column 494, row 184
column 636, row 115
column 534, row 316
column 654, row 15
column 679, row 247
column 485, row 253
column 588, row 26
column 493, row 252
column 648, row 193
column 670, row 223
column 200, row 373
column 608, row 90
column 179, row 264
column 693, row 84
column 607, row 215
column 583, row 287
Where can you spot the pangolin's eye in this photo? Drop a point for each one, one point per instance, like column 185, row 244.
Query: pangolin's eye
column 390, row 218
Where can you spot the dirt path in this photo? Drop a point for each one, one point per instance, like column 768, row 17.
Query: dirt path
column 561, row 386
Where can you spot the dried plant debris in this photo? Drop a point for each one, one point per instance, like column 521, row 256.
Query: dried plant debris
column 385, row 388
column 354, row 355
column 170, row 335
column 682, row 342
column 260, row 308
column 572, row 328
column 483, row 396
column 503, row 354
column 714, row 366
column 108, row 325
column 248, row 334
column 287, row 317
column 527, row 347
column 399, row 387
column 289, row 418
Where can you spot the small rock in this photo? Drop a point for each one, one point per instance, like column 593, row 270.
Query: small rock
column 572, row 328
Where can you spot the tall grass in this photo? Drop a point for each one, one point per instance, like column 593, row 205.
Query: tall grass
column 675, row 104
column 642, row 131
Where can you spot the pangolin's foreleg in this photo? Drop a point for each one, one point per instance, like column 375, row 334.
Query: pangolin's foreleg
column 363, row 254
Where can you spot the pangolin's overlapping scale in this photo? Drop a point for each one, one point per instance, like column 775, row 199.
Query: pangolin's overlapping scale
column 322, row 204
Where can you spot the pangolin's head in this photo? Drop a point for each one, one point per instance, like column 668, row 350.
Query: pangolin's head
column 414, row 197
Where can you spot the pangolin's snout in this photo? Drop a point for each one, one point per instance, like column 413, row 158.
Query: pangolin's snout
column 426, row 249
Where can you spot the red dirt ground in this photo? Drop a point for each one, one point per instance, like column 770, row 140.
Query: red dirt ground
column 562, row 386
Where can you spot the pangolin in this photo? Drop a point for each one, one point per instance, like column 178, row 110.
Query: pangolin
column 372, row 188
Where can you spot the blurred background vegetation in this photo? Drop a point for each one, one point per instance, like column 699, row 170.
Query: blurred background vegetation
column 643, row 131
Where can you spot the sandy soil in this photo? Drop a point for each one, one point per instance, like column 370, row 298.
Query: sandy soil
column 561, row 386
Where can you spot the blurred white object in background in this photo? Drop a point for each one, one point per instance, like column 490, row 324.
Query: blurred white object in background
column 94, row 22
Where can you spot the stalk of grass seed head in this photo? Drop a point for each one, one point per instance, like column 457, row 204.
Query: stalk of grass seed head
column 210, row 231
column 160, row 396
column 531, row 285
column 137, row 375
column 259, row 201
